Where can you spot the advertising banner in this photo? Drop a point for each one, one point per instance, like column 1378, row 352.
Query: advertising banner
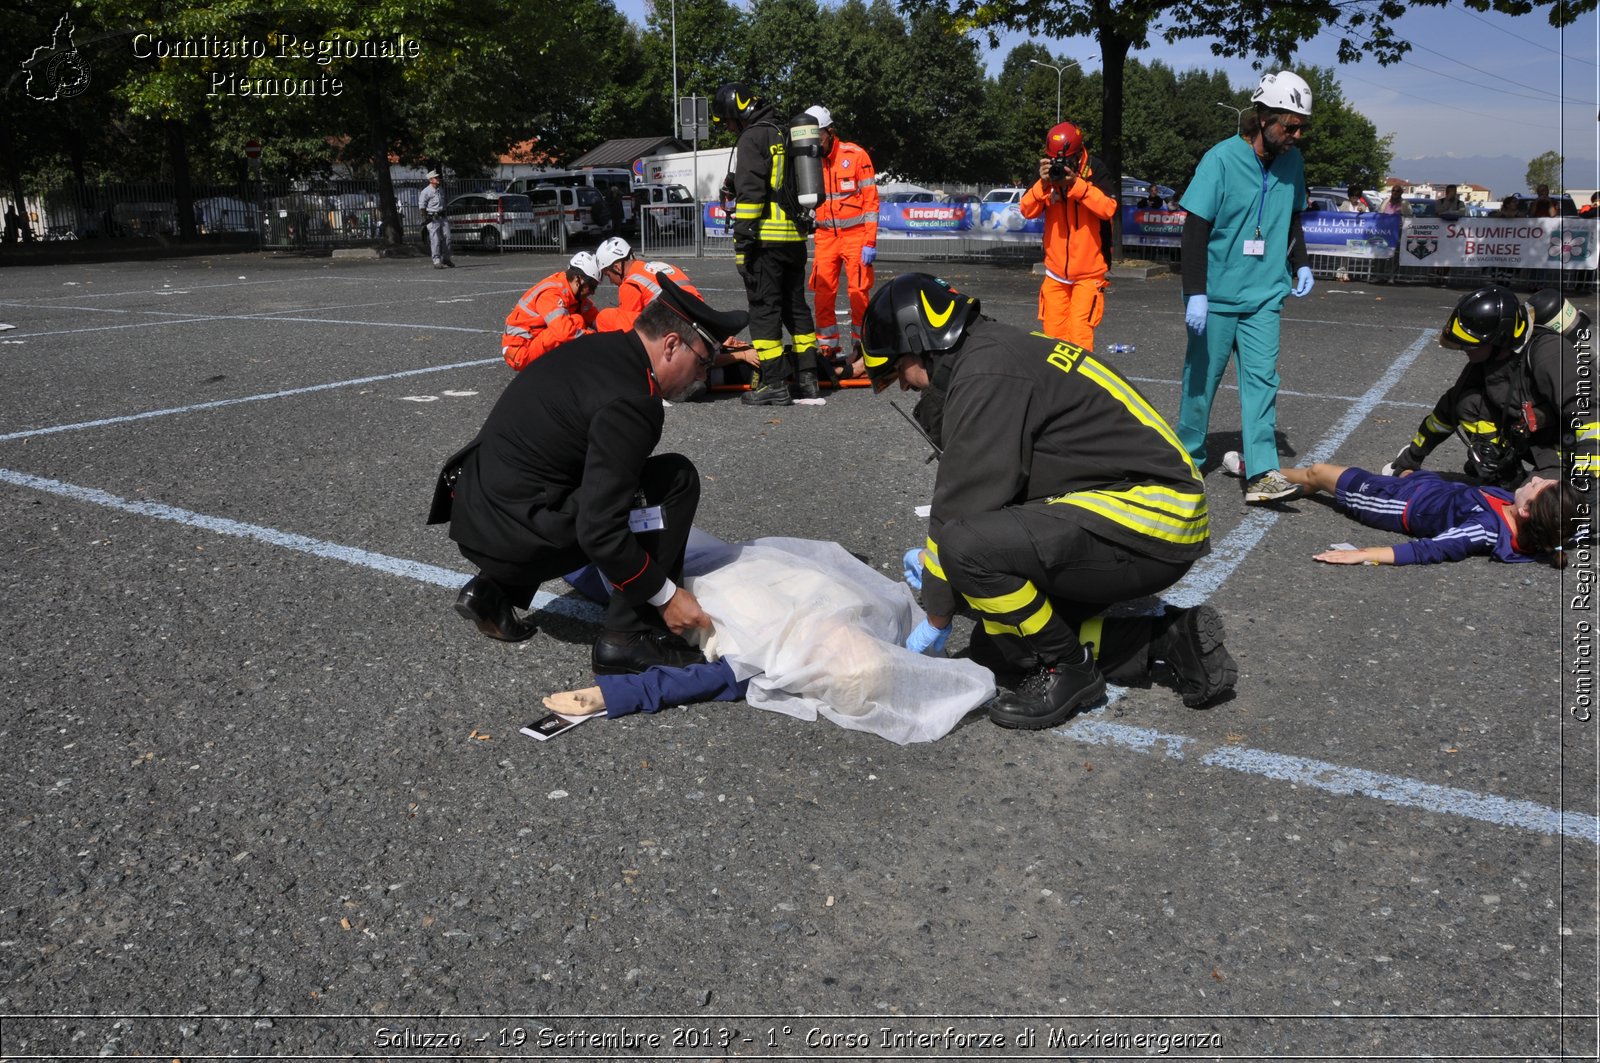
column 1152, row 228
column 1350, row 235
column 1501, row 243
column 1005, row 221
column 940, row 218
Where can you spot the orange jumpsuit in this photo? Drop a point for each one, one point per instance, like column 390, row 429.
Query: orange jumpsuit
column 637, row 289
column 548, row 315
column 847, row 221
column 1076, row 260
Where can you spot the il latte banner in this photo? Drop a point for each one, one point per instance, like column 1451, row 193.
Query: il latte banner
column 1505, row 243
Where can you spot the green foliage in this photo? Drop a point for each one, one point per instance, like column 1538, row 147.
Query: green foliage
column 1343, row 147
column 1546, row 169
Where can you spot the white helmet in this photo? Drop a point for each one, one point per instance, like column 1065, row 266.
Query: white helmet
column 1285, row 91
column 586, row 264
column 820, row 113
column 612, row 250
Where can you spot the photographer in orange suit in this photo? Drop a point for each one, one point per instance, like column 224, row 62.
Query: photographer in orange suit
column 1077, row 197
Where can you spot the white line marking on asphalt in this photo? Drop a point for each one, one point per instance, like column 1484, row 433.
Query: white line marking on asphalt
column 1340, row 780
column 1210, row 571
column 579, row 609
column 1296, row 394
column 219, row 403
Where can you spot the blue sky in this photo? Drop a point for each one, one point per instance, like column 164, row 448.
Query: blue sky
column 1475, row 84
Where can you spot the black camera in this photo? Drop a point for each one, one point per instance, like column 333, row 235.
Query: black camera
column 1058, row 168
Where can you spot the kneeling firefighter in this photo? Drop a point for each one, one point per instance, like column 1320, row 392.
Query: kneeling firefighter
column 1061, row 491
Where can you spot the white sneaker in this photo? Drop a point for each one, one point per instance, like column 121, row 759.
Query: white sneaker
column 1270, row 486
column 1233, row 463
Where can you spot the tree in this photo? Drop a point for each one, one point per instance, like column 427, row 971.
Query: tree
column 1344, row 147
column 1546, row 169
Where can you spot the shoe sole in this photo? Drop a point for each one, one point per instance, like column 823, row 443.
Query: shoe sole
column 1256, row 498
column 1207, row 675
column 1086, row 696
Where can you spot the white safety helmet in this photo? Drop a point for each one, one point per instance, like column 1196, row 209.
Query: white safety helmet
column 820, row 113
column 1284, row 91
column 612, row 250
column 586, row 264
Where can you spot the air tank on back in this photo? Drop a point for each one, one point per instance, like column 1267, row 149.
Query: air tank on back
column 805, row 138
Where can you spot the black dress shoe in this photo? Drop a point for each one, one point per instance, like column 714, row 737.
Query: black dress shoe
column 632, row 652
column 1049, row 696
column 486, row 605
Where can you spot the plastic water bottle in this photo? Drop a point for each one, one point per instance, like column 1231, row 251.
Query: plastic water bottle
column 1121, row 348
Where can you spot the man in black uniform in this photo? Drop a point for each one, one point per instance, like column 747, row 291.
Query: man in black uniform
column 769, row 247
column 561, row 475
column 1061, row 491
column 1518, row 397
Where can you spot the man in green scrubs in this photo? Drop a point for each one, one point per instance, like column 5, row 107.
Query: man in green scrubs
column 1241, row 245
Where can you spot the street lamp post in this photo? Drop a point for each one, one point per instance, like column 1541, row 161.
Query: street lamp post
column 1059, row 71
column 675, row 116
column 1238, row 113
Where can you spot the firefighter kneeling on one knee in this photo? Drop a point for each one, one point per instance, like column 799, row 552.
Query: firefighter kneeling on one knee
column 769, row 244
column 1061, row 491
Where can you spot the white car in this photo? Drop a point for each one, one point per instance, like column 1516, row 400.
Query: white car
column 664, row 210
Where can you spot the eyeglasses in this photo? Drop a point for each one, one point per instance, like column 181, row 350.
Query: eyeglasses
column 709, row 359
column 1294, row 129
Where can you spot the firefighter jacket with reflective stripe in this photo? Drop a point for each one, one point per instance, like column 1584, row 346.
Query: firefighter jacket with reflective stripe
column 637, row 289
column 1029, row 419
column 850, row 193
column 548, row 315
column 758, row 174
column 1538, row 403
column 1077, row 226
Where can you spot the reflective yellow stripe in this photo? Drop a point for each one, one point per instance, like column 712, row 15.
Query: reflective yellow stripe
column 1433, row 424
column 748, row 211
column 1089, row 633
column 930, row 561
column 767, row 350
column 1589, row 431
column 1028, row 627
column 1119, row 390
column 1480, row 428
column 1188, row 528
column 1006, row 603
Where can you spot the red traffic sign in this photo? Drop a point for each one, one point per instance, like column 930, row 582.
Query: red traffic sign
column 252, row 150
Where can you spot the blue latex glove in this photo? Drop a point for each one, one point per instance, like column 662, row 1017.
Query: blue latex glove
column 868, row 253
column 1302, row 282
column 928, row 640
column 913, row 566
column 1194, row 315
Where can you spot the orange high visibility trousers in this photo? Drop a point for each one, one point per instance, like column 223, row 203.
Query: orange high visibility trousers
column 840, row 251
column 1072, row 311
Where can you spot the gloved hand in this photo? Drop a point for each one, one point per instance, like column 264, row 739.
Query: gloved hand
column 928, row 640
column 1194, row 315
column 1404, row 463
column 913, row 566
column 1303, row 282
column 868, row 253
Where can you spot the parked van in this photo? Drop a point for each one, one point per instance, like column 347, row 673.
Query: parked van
column 664, row 210
column 600, row 179
column 575, row 206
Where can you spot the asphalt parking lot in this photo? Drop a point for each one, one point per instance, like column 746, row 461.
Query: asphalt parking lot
column 264, row 792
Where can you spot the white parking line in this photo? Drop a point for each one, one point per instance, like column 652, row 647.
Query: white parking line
column 219, row 403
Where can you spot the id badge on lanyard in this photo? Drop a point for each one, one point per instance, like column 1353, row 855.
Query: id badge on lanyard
column 1257, row 247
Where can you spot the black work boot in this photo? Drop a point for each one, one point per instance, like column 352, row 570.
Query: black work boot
column 805, row 385
column 1049, row 696
column 769, row 387
column 1190, row 641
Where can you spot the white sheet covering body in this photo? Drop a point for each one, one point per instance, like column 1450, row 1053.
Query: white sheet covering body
column 819, row 633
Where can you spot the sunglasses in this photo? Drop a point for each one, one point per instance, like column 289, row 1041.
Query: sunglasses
column 1295, row 128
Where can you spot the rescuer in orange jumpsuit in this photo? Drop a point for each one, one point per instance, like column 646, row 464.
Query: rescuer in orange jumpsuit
column 847, row 237
column 555, row 310
column 1078, row 200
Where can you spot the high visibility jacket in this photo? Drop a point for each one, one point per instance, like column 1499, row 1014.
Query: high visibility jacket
column 1077, row 227
column 637, row 289
column 1027, row 418
column 850, row 192
column 758, row 173
column 548, row 315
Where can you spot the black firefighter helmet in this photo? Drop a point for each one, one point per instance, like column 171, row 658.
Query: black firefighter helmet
column 916, row 313
column 734, row 101
column 1487, row 320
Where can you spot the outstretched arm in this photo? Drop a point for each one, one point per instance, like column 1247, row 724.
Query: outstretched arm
column 1367, row 555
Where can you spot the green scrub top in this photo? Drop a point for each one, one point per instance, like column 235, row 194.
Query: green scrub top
column 1227, row 191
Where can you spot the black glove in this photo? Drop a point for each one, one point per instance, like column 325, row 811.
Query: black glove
column 1408, row 460
column 727, row 187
